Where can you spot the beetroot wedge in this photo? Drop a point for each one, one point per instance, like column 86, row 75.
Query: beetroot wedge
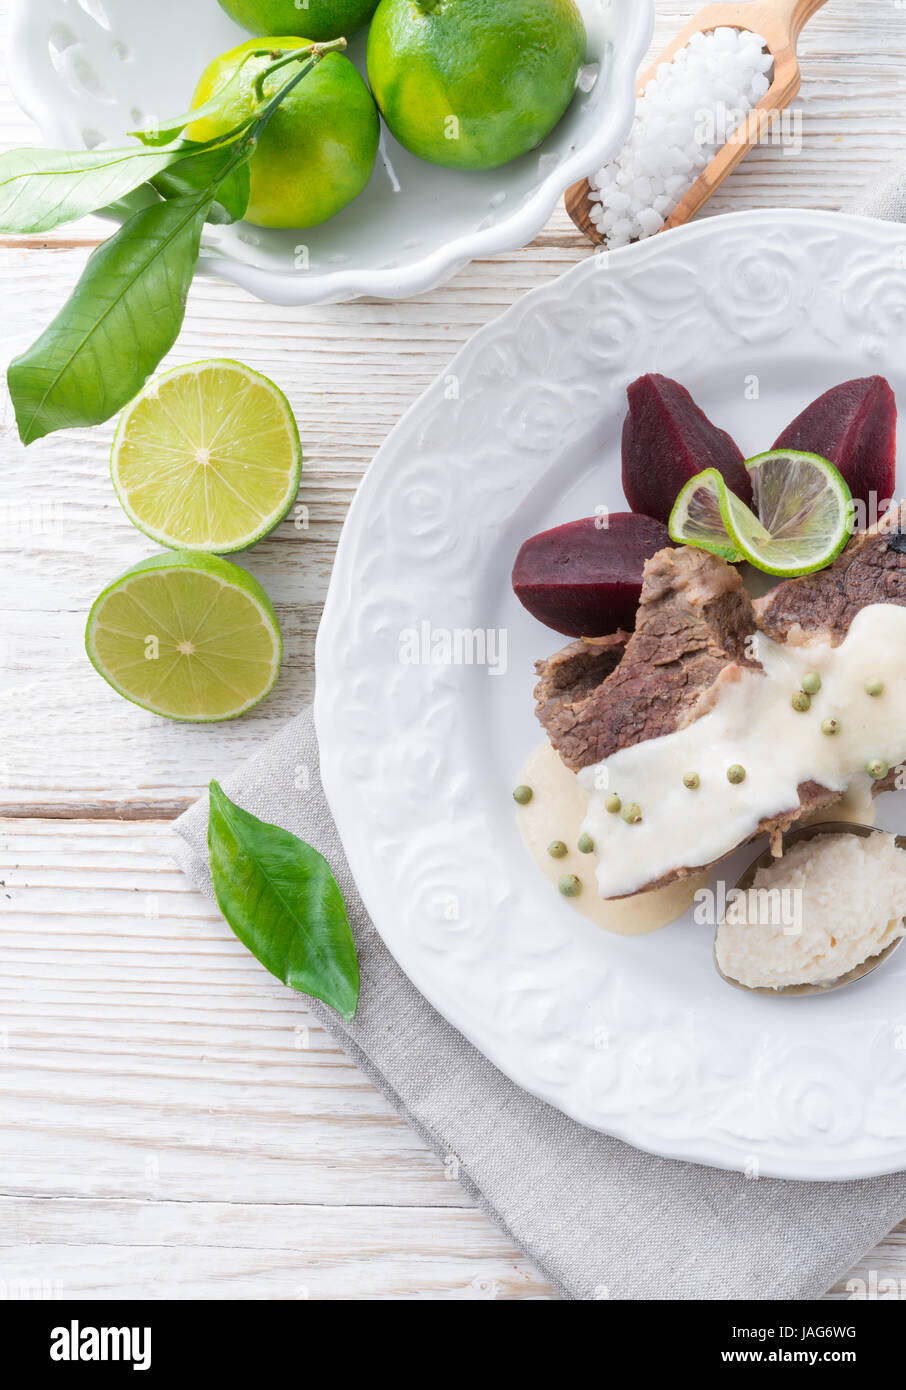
column 584, row 579
column 666, row 441
column 855, row 426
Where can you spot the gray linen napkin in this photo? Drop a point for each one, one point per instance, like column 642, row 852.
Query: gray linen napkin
column 599, row 1218
column 886, row 201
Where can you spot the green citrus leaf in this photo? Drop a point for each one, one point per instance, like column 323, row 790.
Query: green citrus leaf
column 128, row 307
column 40, row 189
column 200, row 171
column 123, row 316
column 280, row 898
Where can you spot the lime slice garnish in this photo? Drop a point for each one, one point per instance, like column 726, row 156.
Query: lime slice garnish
column 700, row 516
column 207, row 457
column 804, row 514
column 187, row 636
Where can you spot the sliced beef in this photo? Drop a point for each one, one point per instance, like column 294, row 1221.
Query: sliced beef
column 691, row 628
column 571, row 674
column 872, row 569
column 690, row 637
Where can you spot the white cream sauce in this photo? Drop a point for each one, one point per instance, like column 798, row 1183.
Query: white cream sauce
column 555, row 812
column 752, row 723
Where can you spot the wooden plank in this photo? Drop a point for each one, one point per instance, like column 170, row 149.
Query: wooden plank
column 155, row 1083
column 205, row 1250
column 146, row 1053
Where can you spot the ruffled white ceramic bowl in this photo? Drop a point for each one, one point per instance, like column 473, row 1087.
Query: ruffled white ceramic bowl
column 87, row 71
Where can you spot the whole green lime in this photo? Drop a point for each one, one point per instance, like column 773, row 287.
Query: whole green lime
column 318, row 150
column 472, row 84
column 315, row 19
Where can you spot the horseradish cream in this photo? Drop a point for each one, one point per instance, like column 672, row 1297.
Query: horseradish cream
column 555, row 812
column 754, row 728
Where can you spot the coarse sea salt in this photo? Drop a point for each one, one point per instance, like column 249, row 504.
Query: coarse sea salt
column 690, row 109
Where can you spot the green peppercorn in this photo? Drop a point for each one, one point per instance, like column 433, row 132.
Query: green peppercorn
column 632, row 813
column 811, row 682
column 874, row 687
column 692, row 781
column 830, row 726
column 877, row 769
column 523, row 795
column 613, row 804
column 557, row 849
column 586, row 844
column 736, row 774
column 801, row 701
column 569, row 886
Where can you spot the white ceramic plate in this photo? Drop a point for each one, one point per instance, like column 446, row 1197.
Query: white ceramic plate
column 634, row 1036
column 88, row 71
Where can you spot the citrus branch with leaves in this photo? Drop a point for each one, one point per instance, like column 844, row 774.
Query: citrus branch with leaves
column 128, row 307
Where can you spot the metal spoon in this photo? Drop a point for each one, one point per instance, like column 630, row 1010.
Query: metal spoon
column 858, row 972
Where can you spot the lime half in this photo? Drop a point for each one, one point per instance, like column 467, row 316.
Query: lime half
column 804, row 514
column 187, row 636
column 207, row 457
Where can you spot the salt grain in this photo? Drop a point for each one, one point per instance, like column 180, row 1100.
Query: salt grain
column 688, row 111
column 649, row 221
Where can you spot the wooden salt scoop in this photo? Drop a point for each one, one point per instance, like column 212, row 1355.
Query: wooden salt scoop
column 779, row 22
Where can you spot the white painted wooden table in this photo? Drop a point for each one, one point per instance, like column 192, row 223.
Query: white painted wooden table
column 172, row 1122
